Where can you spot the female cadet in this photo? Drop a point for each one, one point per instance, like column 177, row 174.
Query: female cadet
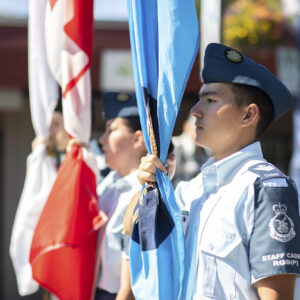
column 123, row 147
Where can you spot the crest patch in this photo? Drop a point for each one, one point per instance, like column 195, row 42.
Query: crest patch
column 281, row 225
column 233, row 56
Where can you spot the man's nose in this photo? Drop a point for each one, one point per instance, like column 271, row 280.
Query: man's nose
column 102, row 139
column 196, row 110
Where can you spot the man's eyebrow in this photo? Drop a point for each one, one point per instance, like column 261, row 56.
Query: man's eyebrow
column 108, row 123
column 208, row 93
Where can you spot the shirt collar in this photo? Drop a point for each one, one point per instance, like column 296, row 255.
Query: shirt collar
column 221, row 170
column 127, row 182
column 132, row 179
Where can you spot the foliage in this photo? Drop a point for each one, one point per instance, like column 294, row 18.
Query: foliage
column 255, row 22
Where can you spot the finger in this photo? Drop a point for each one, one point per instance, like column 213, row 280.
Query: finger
column 76, row 142
column 70, row 145
column 171, row 159
column 145, row 176
column 148, row 167
column 83, row 144
column 171, row 165
column 144, row 159
column 157, row 163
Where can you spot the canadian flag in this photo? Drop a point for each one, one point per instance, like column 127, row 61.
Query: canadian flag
column 64, row 243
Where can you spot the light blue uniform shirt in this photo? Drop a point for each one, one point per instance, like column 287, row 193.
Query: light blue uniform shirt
column 241, row 222
column 115, row 193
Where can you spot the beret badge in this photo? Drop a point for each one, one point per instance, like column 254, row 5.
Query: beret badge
column 122, row 97
column 233, row 56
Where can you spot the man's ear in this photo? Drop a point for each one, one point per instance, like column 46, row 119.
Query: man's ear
column 250, row 114
column 139, row 139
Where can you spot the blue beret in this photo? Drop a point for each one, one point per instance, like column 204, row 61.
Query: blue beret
column 119, row 105
column 224, row 64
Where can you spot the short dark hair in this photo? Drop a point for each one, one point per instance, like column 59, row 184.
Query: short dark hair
column 58, row 107
column 133, row 123
column 245, row 95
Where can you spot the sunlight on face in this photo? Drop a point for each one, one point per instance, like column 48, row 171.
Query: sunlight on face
column 217, row 117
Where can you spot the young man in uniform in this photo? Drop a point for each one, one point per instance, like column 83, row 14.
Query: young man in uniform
column 241, row 214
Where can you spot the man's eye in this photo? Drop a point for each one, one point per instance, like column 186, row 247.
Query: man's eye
column 210, row 100
column 108, row 129
column 111, row 129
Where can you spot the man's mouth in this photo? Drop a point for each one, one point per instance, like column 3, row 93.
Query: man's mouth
column 198, row 126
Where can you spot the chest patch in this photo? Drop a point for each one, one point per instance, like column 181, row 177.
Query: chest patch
column 281, row 225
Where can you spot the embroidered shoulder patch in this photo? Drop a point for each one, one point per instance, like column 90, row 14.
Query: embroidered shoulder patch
column 281, row 225
column 266, row 170
column 275, row 237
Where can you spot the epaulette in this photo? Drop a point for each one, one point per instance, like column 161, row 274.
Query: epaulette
column 270, row 175
column 266, row 170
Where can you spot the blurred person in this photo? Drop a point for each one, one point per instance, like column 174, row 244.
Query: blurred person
column 189, row 156
column 95, row 148
column 58, row 137
column 123, row 146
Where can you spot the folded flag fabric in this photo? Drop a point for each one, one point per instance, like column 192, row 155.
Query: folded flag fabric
column 63, row 247
column 41, row 170
column 164, row 42
column 40, row 176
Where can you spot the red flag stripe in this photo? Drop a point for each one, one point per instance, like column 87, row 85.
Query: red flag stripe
column 80, row 27
column 52, row 3
column 74, row 80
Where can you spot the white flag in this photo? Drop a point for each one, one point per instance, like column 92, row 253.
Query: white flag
column 41, row 173
column 41, row 170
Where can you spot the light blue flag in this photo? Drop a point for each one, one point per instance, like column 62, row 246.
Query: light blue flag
column 164, row 42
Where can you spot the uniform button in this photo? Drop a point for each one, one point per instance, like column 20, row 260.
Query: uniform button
column 210, row 246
